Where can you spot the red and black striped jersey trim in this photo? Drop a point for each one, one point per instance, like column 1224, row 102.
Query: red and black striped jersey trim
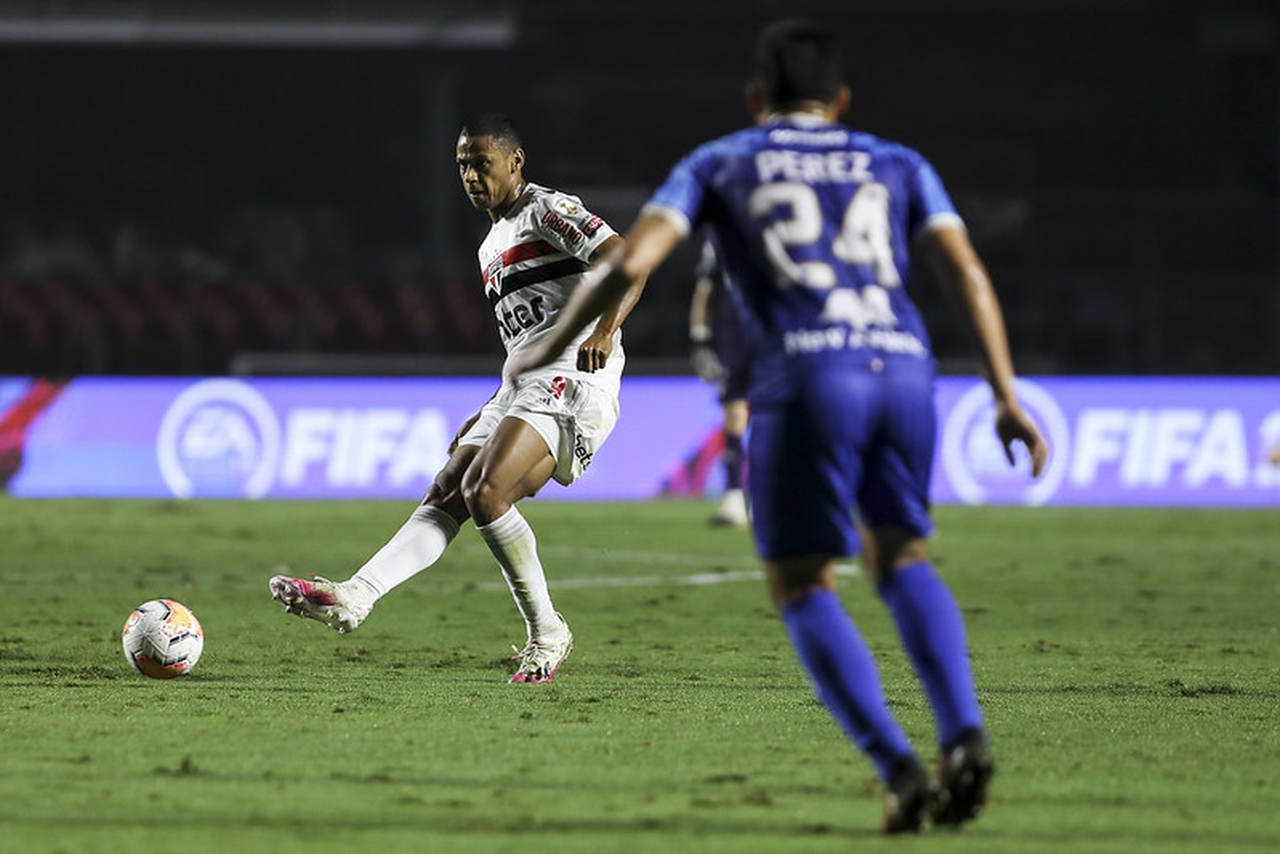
column 517, row 254
column 535, row 275
column 527, row 252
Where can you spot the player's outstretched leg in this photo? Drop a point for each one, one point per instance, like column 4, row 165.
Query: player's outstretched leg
column 514, row 463
column 344, row 605
column 340, row 605
column 845, row 677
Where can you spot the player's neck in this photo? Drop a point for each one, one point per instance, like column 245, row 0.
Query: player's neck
column 501, row 209
column 815, row 112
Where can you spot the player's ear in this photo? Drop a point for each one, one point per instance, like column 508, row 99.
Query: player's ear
column 517, row 159
column 843, row 98
column 756, row 105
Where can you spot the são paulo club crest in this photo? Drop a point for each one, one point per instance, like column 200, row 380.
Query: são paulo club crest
column 219, row 439
column 974, row 462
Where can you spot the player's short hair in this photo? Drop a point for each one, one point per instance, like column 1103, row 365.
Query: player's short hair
column 797, row 60
column 495, row 125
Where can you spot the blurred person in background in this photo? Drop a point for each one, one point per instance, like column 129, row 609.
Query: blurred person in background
column 720, row 358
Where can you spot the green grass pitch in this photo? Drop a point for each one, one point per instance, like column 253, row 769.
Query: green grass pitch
column 1127, row 661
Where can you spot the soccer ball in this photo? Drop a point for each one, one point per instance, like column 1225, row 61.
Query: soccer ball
column 162, row 639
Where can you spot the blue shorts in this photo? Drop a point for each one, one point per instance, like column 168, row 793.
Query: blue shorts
column 844, row 441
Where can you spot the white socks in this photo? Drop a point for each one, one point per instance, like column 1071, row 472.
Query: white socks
column 418, row 544
column 421, row 540
column 512, row 542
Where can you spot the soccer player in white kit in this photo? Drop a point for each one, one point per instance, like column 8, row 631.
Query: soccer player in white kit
column 548, row 424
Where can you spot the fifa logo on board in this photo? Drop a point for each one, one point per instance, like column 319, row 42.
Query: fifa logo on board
column 223, row 438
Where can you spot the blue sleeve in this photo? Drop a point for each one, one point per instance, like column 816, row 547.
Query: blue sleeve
column 680, row 198
column 928, row 203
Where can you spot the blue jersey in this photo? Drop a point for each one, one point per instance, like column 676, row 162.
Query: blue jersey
column 813, row 224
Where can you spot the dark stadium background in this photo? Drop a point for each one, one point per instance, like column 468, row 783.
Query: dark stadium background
column 197, row 188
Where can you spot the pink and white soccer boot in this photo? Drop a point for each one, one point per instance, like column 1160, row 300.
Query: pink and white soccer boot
column 541, row 658
column 340, row 605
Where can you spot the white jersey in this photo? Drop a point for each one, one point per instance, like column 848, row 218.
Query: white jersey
column 531, row 260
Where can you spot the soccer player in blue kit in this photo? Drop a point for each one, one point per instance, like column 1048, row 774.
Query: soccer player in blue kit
column 813, row 222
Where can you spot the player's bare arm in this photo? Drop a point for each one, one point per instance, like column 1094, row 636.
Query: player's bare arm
column 610, row 290
column 595, row 351
column 956, row 264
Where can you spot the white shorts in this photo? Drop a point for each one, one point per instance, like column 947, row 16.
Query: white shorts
column 572, row 417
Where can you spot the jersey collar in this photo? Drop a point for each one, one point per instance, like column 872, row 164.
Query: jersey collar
column 802, row 119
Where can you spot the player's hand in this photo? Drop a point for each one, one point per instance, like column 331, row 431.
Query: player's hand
column 594, row 352
column 706, row 364
column 1014, row 425
column 462, row 431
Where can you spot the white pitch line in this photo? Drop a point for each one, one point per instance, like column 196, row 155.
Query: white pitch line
column 699, row 579
column 650, row 556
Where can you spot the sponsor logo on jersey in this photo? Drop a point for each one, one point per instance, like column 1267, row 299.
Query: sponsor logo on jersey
column 554, row 390
column 581, row 453
column 516, row 316
column 566, row 207
column 553, row 222
column 799, row 136
column 592, row 225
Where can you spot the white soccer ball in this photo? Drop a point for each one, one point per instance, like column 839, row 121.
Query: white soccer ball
column 162, row 639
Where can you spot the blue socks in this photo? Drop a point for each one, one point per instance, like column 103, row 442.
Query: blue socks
column 932, row 631
column 734, row 461
column 845, row 677
column 844, row 673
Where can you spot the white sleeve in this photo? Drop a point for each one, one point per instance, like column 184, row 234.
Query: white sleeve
column 568, row 225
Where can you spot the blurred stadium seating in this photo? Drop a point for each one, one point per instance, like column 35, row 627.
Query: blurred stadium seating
column 178, row 190
column 66, row 325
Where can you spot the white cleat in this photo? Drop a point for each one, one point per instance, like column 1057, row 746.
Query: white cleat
column 340, row 605
column 541, row 658
column 732, row 512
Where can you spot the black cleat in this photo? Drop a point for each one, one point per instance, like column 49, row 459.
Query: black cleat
column 907, row 798
column 964, row 773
